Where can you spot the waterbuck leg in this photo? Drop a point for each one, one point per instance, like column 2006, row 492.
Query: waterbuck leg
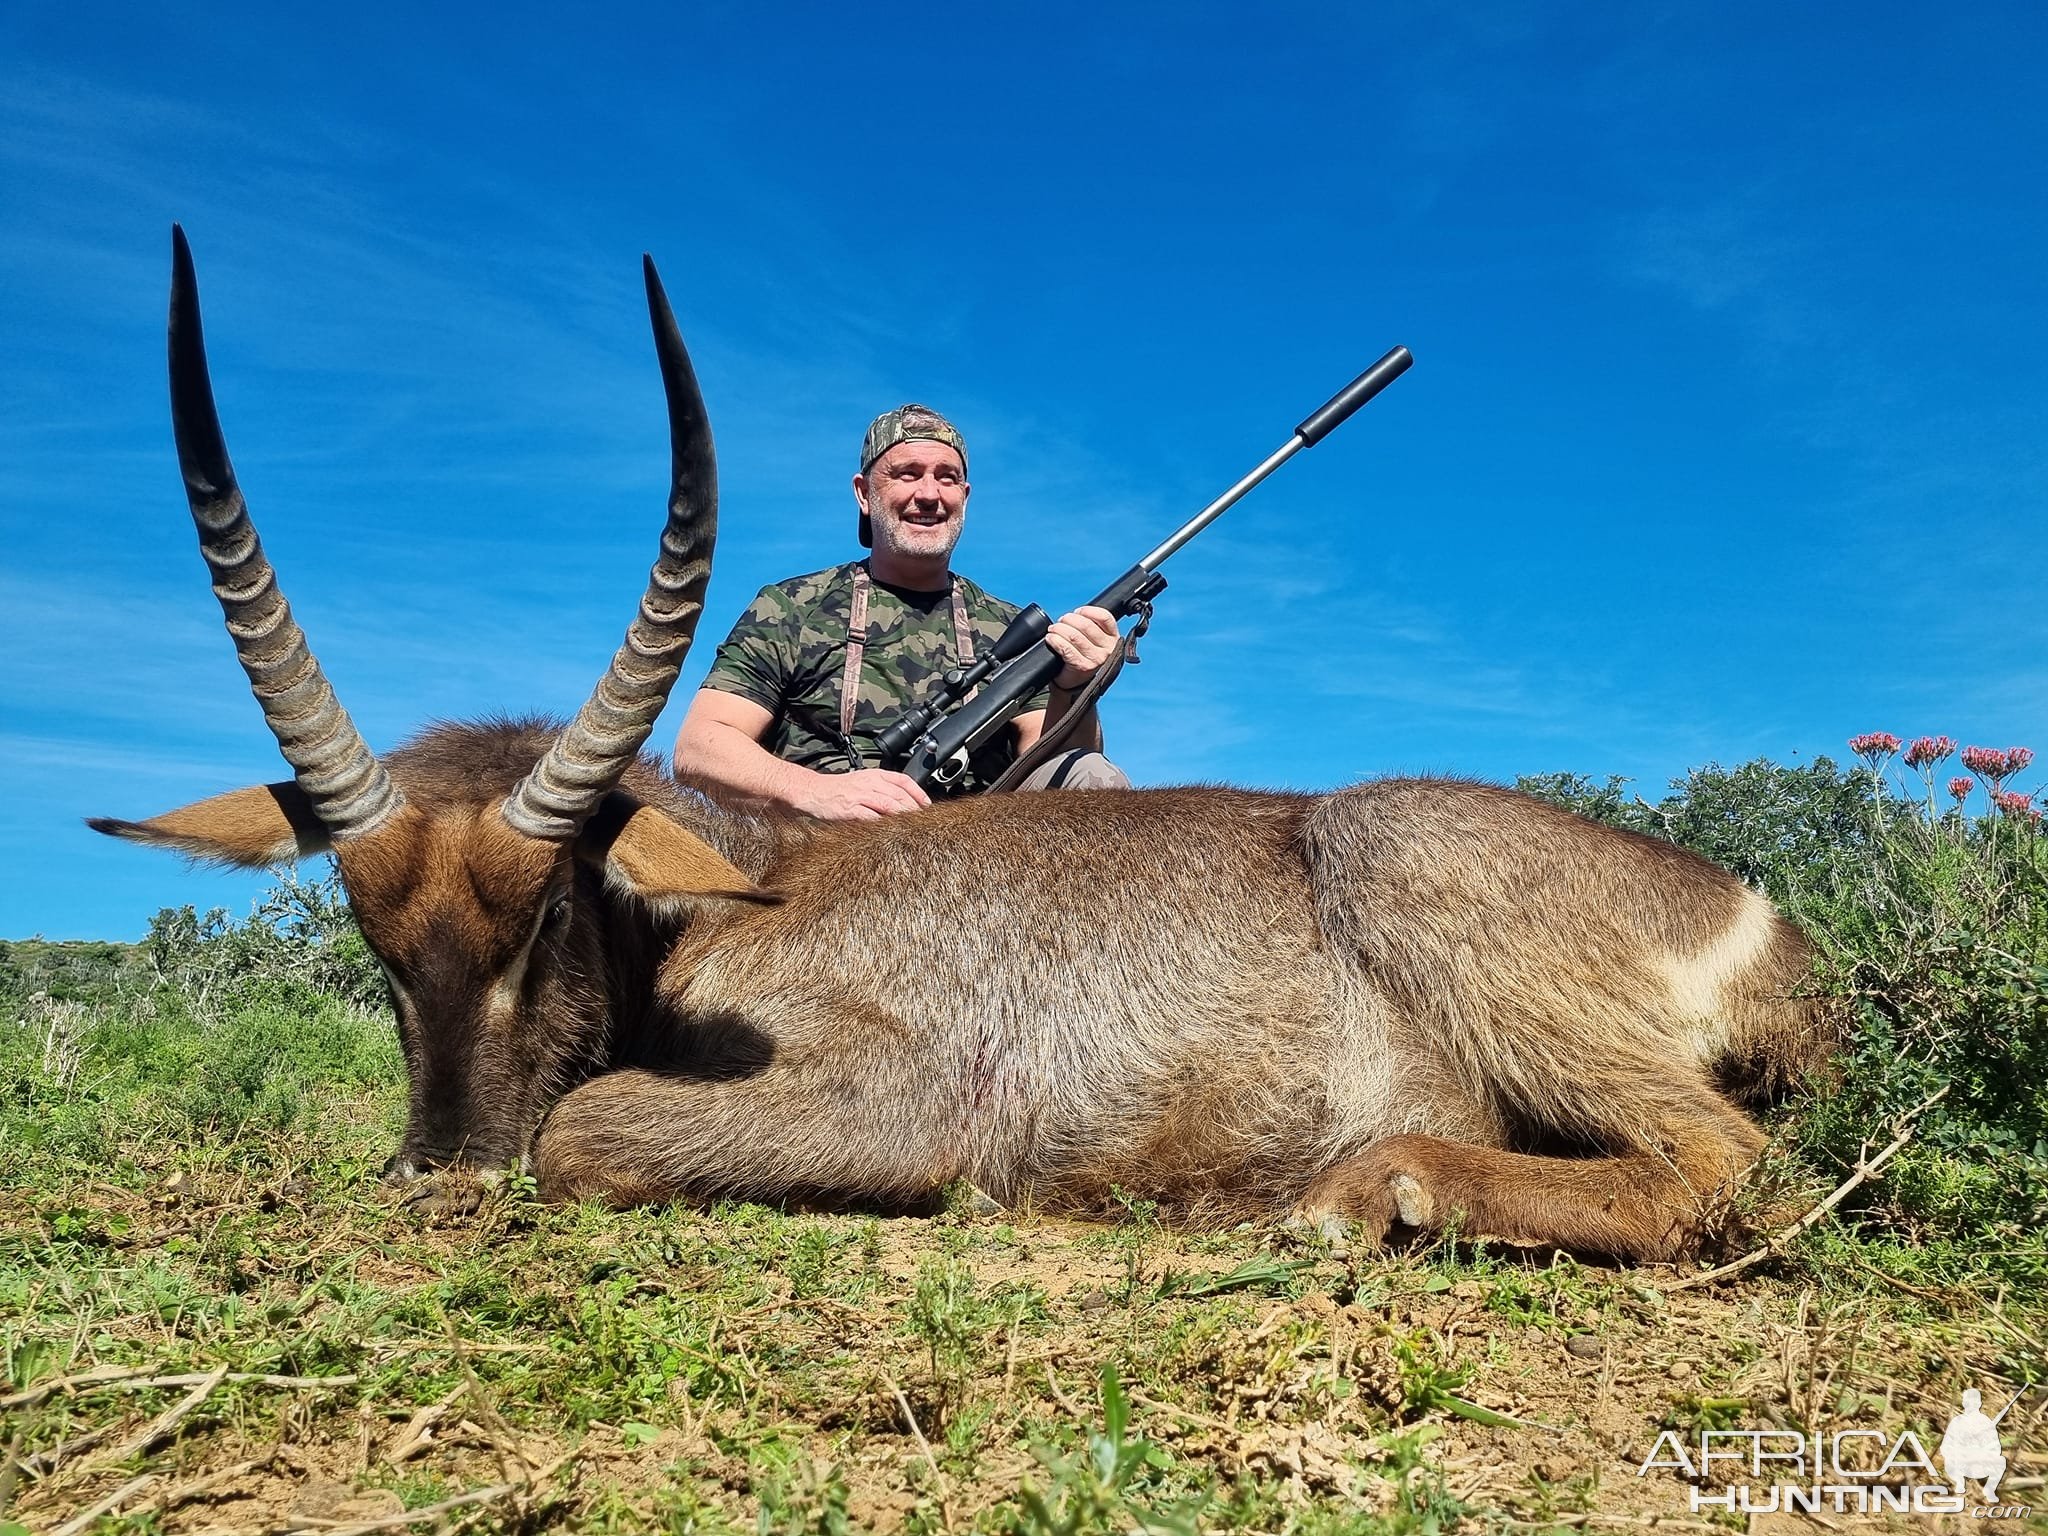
column 1650, row 1201
column 800, row 1132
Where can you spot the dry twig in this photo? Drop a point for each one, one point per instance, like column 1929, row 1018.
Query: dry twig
column 198, row 1487
column 405, row 1517
column 1059, row 1395
column 43, row 1463
column 119, row 1378
column 931, row 1461
column 119, row 1496
column 1647, row 1522
column 1206, row 1420
column 165, row 1424
column 418, row 1434
column 475, row 1496
column 11, row 1465
column 1865, row 1168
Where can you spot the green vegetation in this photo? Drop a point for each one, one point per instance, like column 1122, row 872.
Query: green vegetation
column 207, row 1300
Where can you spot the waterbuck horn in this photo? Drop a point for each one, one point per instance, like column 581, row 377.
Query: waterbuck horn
column 349, row 789
column 587, row 759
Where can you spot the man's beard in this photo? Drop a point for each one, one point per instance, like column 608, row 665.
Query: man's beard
column 932, row 542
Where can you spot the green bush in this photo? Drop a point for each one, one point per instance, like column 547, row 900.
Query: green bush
column 301, row 933
column 204, row 1030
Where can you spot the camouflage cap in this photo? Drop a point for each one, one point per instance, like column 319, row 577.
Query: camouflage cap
column 908, row 424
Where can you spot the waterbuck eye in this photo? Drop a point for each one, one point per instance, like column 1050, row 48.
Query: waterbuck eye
column 558, row 912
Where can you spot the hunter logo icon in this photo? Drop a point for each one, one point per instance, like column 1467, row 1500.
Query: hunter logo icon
column 1970, row 1448
column 1847, row 1470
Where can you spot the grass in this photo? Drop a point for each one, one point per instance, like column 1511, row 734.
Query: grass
column 190, row 1131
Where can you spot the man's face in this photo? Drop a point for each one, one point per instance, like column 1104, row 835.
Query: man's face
column 915, row 495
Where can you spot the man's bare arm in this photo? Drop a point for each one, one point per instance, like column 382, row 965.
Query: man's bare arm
column 721, row 741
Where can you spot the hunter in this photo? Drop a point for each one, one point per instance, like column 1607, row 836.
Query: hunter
column 819, row 665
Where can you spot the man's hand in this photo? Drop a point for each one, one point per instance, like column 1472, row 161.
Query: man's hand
column 721, row 741
column 862, row 796
column 1085, row 639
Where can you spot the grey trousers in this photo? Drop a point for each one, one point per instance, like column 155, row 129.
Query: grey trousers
column 1076, row 770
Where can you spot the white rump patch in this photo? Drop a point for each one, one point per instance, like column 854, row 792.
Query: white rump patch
column 1700, row 982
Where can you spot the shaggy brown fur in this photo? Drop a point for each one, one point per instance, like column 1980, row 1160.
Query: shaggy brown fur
column 1374, row 1004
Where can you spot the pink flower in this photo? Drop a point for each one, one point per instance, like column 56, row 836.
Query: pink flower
column 2016, row 805
column 1926, row 751
column 1960, row 787
column 1874, row 746
column 1995, row 767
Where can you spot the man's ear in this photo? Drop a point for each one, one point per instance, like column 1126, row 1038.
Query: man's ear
column 263, row 824
column 642, row 851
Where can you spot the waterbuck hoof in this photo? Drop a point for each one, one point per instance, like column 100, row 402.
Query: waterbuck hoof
column 1411, row 1201
column 446, row 1194
column 1332, row 1227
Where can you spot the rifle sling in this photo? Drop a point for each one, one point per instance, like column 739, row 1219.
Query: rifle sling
column 857, row 644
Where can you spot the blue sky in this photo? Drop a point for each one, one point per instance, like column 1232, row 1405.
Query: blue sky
column 1723, row 439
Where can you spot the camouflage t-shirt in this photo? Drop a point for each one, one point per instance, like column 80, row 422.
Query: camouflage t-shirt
column 787, row 653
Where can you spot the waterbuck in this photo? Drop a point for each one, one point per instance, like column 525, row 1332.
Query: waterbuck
column 1407, row 1002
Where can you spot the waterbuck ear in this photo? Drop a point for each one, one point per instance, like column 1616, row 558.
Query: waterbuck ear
column 646, row 853
column 263, row 824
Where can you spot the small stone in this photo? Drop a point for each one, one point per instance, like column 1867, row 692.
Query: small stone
column 1584, row 1346
column 1094, row 1299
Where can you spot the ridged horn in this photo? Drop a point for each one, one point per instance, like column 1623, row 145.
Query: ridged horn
column 350, row 791
column 587, row 759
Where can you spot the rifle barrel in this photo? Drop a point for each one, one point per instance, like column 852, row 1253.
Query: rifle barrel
column 1221, row 504
column 1327, row 419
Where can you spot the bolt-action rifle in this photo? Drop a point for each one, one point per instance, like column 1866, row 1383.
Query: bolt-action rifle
column 932, row 741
